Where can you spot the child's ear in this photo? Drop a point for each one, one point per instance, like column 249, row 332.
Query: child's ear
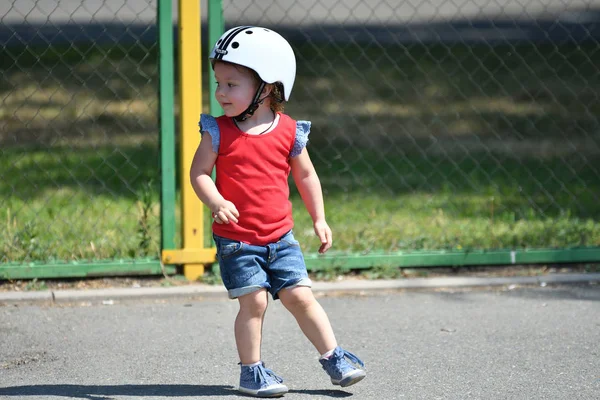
column 267, row 90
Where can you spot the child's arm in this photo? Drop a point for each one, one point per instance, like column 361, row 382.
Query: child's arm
column 202, row 165
column 309, row 186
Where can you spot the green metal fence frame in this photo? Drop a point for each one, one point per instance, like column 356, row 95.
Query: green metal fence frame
column 167, row 124
column 442, row 258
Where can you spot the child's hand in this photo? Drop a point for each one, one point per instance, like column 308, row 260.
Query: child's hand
column 324, row 233
column 225, row 212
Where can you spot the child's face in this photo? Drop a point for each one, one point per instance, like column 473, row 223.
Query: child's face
column 236, row 88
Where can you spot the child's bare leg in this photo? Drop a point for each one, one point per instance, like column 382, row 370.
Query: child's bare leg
column 314, row 323
column 248, row 325
column 310, row 316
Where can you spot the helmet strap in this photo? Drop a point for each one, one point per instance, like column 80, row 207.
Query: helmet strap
column 256, row 101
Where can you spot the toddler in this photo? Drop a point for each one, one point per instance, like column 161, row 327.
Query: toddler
column 254, row 147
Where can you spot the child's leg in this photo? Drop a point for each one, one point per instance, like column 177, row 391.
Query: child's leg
column 314, row 323
column 311, row 317
column 248, row 325
column 255, row 378
column 290, row 283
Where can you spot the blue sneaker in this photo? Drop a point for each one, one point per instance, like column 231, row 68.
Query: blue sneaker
column 259, row 381
column 341, row 371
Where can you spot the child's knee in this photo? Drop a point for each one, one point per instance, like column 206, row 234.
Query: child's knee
column 297, row 298
column 254, row 303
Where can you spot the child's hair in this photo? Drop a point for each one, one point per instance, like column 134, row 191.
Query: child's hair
column 276, row 95
column 277, row 102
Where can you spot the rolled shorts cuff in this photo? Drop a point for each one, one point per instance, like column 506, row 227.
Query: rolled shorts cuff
column 302, row 282
column 235, row 293
column 291, row 284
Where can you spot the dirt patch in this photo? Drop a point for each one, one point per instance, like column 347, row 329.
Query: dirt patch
column 27, row 359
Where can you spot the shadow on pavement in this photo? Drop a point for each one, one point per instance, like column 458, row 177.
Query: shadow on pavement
column 580, row 292
column 323, row 392
column 558, row 292
column 103, row 392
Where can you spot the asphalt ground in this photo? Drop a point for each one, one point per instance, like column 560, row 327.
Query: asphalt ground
column 510, row 341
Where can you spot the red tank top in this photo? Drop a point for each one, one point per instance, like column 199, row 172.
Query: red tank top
column 252, row 173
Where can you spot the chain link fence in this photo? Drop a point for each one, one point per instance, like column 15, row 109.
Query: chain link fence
column 79, row 161
column 447, row 125
column 437, row 125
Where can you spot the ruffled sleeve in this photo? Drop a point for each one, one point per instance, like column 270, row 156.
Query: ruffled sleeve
column 302, row 131
column 208, row 123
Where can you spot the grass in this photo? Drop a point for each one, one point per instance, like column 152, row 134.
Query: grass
column 420, row 147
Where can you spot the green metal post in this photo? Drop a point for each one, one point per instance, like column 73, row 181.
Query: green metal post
column 167, row 123
column 216, row 26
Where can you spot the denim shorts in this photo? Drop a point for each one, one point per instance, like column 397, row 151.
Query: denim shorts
column 246, row 268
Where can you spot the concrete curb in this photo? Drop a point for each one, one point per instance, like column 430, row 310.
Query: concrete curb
column 454, row 282
column 201, row 291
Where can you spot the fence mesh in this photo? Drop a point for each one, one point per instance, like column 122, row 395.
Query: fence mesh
column 465, row 124
column 78, row 130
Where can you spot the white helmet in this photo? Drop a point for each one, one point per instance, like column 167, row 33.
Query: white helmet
column 260, row 49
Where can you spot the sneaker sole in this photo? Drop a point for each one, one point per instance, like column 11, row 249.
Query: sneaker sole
column 273, row 391
column 356, row 377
